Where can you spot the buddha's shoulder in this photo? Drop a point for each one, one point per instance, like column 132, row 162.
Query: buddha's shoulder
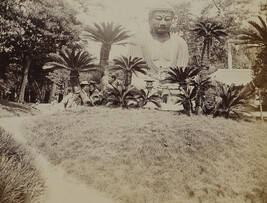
column 177, row 38
column 139, row 39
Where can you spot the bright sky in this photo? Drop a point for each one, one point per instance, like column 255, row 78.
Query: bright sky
column 132, row 14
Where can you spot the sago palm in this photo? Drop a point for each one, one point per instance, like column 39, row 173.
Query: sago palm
column 74, row 61
column 200, row 84
column 147, row 96
column 256, row 37
column 181, row 75
column 186, row 98
column 107, row 34
column 209, row 32
column 130, row 66
column 121, row 95
column 230, row 102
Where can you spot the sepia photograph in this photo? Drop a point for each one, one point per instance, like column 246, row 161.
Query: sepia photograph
column 133, row 101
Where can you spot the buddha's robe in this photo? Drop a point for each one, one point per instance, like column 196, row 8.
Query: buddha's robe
column 159, row 56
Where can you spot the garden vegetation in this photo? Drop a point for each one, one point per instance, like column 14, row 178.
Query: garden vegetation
column 20, row 181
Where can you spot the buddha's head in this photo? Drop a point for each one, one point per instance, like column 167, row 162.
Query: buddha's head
column 160, row 20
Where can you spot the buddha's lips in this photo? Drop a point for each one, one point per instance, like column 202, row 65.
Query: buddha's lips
column 162, row 28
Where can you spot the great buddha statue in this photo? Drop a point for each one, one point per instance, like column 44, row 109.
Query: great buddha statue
column 160, row 48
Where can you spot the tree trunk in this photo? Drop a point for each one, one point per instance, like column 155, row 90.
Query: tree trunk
column 52, row 92
column 208, row 52
column 188, row 109
column 24, row 81
column 203, row 52
column 230, row 57
column 43, row 93
column 74, row 79
column 104, row 54
column 128, row 78
column 198, row 104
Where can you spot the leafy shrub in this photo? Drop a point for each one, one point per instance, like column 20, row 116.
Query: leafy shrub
column 19, row 179
column 230, row 101
column 122, row 96
column 192, row 84
column 181, row 75
column 147, row 96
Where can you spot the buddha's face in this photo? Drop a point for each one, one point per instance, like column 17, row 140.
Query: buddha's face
column 160, row 22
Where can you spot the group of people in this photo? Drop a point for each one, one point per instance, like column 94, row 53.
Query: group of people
column 88, row 94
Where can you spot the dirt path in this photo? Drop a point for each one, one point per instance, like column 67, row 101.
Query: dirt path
column 61, row 187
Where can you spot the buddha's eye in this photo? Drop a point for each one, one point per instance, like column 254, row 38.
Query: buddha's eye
column 168, row 18
column 158, row 17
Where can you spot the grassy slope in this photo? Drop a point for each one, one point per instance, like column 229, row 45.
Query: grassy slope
column 20, row 181
column 153, row 156
column 9, row 109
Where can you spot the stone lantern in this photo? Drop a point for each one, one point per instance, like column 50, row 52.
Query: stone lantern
column 149, row 85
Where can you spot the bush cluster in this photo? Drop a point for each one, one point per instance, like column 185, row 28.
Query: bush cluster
column 20, row 181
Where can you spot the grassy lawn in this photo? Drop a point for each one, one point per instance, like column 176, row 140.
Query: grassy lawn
column 9, row 109
column 155, row 156
column 20, row 181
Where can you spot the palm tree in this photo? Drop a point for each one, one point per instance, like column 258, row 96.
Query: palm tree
column 200, row 84
column 74, row 61
column 208, row 31
column 230, row 102
column 257, row 37
column 121, row 95
column 186, row 98
column 149, row 97
column 181, row 75
column 107, row 34
column 130, row 66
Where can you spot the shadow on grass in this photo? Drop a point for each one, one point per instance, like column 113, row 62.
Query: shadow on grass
column 9, row 109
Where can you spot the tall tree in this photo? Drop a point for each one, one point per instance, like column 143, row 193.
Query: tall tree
column 74, row 61
column 32, row 29
column 208, row 31
column 107, row 34
column 130, row 66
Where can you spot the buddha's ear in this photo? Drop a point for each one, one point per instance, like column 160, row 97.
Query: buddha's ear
column 174, row 21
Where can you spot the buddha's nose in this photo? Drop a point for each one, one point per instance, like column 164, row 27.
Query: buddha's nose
column 162, row 23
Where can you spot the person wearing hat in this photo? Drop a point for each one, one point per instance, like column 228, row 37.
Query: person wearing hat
column 84, row 93
column 160, row 48
column 113, row 82
column 72, row 99
column 95, row 95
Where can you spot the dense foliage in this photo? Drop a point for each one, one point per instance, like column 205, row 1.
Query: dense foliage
column 20, row 179
column 75, row 61
column 107, row 34
column 29, row 31
column 129, row 66
column 208, row 31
